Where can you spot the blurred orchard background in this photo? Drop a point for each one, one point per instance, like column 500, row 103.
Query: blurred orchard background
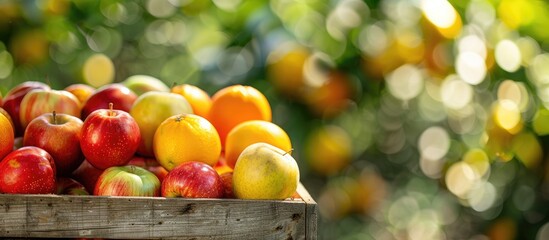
column 410, row 119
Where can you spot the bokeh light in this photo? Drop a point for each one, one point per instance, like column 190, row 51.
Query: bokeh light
column 508, row 55
column 98, row 70
column 439, row 12
column 455, row 93
column 405, row 83
column 470, row 67
column 434, row 143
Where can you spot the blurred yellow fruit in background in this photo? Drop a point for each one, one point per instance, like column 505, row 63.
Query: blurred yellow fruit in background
column 285, row 69
column 334, row 202
column 332, row 97
column 30, row 47
column 368, row 193
column 328, row 150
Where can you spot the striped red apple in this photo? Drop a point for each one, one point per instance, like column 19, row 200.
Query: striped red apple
column 127, row 181
column 40, row 101
column 12, row 101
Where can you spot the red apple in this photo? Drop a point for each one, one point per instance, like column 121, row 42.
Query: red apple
column 38, row 102
column 69, row 186
column 12, row 101
column 28, row 170
column 151, row 165
column 227, row 179
column 121, row 96
column 80, row 91
column 127, row 181
column 59, row 135
column 87, row 174
column 193, row 180
column 109, row 138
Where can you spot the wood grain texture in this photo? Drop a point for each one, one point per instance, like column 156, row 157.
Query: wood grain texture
column 149, row 218
column 311, row 213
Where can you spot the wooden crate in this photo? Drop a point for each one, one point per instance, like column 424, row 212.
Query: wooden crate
column 56, row 216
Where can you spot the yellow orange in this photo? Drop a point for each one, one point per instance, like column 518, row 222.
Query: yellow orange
column 328, row 150
column 236, row 104
column 186, row 137
column 6, row 136
column 200, row 101
column 250, row 132
column 7, row 115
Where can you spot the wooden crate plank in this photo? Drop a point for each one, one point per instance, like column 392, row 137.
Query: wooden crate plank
column 311, row 213
column 132, row 218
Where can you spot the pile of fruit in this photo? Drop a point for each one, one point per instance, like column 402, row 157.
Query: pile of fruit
column 142, row 138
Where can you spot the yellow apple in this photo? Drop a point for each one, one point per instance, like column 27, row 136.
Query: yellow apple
column 264, row 171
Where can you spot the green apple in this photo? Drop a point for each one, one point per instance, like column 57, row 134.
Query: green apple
column 142, row 83
column 151, row 109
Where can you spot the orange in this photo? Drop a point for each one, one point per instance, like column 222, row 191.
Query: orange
column 6, row 136
column 328, row 150
column 200, row 101
column 236, row 104
column 7, row 115
column 250, row 132
column 186, row 137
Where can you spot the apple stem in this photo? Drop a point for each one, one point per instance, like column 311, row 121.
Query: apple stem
column 288, row 152
column 111, row 105
column 54, row 117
